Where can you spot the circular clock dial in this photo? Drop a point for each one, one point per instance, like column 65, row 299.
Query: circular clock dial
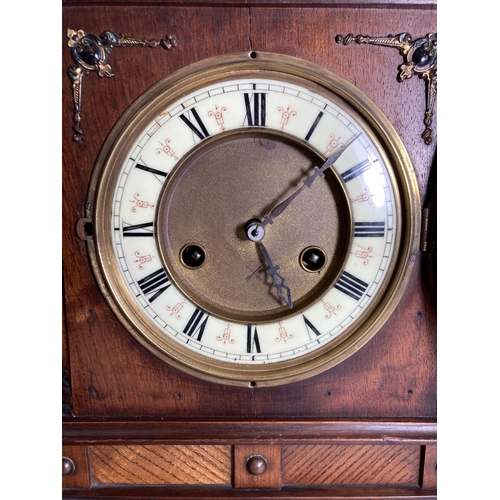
column 224, row 241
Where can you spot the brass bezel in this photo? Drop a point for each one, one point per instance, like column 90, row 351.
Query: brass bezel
column 218, row 69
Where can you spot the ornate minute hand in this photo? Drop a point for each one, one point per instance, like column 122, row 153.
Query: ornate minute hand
column 280, row 208
column 278, row 280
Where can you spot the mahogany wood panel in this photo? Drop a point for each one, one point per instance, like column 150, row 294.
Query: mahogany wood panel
column 266, row 3
column 164, row 451
column 160, row 464
column 306, row 493
column 80, row 478
column 270, row 478
column 247, row 431
column 351, row 464
column 429, row 467
column 394, row 375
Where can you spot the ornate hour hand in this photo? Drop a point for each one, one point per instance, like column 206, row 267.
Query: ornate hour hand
column 278, row 280
column 319, row 172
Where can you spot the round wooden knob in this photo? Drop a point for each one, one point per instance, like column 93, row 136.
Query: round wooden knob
column 68, row 466
column 256, row 465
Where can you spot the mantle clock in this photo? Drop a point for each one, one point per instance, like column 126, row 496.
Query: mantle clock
column 249, row 249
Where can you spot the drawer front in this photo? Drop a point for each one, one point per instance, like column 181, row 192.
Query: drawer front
column 351, row 464
column 409, row 467
column 160, row 464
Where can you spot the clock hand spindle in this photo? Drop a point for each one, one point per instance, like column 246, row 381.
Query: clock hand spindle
column 278, row 280
column 280, row 208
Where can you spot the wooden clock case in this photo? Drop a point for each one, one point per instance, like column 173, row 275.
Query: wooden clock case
column 133, row 427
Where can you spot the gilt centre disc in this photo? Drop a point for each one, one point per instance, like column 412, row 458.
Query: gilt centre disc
column 235, row 177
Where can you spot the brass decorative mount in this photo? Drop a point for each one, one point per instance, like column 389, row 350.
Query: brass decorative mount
column 419, row 58
column 91, row 53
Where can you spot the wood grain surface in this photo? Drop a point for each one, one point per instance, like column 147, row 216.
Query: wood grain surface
column 80, row 475
column 161, row 464
column 394, row 375
column 351, row 464
column 113, row 430
column 269, row 479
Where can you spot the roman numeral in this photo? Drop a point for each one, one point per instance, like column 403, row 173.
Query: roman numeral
column 253, row 344
column 314, row 125
column 201, row 131
column 155, row 284
column 138, row 230
column 351, row 286
column 151, row 170
column 369, row 229
column 256, row 114
column 311, row 327
column 196, row 324
column 358, row 169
